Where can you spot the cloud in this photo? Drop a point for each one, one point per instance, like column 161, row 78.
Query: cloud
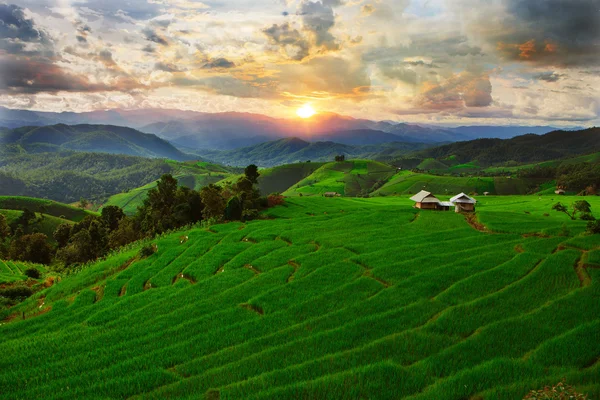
column 152, row 36
column 546, row 32
column 20, row 35
column 166, row 67
column 218, row 63
column 290, row 41
column 467, row 89
column 318, row 19
column 122, row 11
column 549, row 76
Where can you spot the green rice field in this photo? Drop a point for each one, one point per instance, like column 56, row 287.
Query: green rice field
column 325, row 298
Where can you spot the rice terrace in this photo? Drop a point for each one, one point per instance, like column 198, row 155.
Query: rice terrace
column 327, row 298
column 300, row 199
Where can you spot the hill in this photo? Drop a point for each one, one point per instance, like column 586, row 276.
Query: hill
column 407, row 182
column 90, row 138
column 348, row 178
column 47, row 207
column 68, row 176
column 522, row 149
column 329, row 298
column 194, row 175
column 293, row 150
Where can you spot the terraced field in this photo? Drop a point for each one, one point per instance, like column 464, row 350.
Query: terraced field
column 48, row 207
column 349, row 178
column 330, row 298
column 13, row 271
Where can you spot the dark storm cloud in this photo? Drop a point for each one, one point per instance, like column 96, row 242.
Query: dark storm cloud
column 552, row 32
column 152, row 36
column 20, row 35
column 288, row 38
column 219, row 63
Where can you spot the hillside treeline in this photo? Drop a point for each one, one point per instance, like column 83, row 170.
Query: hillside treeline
column 522, row 149
column 166, row 207
column 572, row 177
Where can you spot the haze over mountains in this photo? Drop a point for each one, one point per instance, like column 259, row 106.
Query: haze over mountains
column 226, row 131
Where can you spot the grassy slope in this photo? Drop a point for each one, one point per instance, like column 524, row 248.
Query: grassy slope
column 406, row 182
column 193, row 175
column 334, row 298
column 51, row 208
column 44, row 223
column 348, row 178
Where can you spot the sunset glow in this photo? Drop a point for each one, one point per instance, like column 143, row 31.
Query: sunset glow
column 306, row 111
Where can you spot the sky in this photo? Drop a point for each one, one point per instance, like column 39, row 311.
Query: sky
column 469, row 62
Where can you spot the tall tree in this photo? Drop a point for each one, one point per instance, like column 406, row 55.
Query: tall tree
column 214, row 203
column 251, row 172
column 111, row 215
column 4, row 228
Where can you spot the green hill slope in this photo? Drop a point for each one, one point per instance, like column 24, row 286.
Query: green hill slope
column 407, row 182
column 90, row 138
column 194, row 175
column 349, row 178
column 47, row 207
column 331, row 298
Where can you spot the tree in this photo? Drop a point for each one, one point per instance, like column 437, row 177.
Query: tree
column 251, row 172
column 4, row 228
column 340, row 158
column 234, row 210
column 563, row 209
column 62, row 234
column 593, row 227
column 32, row 248
column 582, row 206
column 111, row 215
column 214, row 203
column 83, row 203
column 126, row 233
column 25, row 218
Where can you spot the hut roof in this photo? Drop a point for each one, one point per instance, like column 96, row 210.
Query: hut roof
column 446, row 204
column 330, row 193
column 463, row 198
column 424, row 197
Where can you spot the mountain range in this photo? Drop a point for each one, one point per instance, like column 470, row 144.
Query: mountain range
column 232, row 130
column 293, row 150
column 87, row 138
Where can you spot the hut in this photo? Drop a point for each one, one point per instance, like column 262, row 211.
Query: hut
column 560, row 192
column 425, row 201
column 444, row 206
column 331, row 194
column 463, row 203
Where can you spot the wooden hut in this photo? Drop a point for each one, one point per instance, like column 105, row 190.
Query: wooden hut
column 560, row 192
column 463, row 203
column 331, row 194
column 425, row 201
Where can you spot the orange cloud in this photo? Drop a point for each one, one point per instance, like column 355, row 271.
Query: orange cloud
column 550, row 47
column 527, row 49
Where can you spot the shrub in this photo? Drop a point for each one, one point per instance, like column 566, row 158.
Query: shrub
column 587, row 217
column 275, row 199
column 593, row 227
column 561, row 391
column 33, row 273
column 16, row 292
column 147, row 251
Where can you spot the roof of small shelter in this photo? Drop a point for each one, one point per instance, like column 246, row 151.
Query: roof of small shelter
column 424, row 197
column 463, row 198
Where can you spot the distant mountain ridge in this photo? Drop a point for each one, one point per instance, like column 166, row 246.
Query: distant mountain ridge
column 231, row 130
column 89, row 138
column 521, row 149
column 293, row 150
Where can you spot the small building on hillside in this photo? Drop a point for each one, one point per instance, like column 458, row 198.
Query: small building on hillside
column 445, row 206
column 463, row 203
column 425, row 201
column 331, row 194
column 560, row 192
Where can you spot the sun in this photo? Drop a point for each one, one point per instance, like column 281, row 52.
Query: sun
column 306, row 111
